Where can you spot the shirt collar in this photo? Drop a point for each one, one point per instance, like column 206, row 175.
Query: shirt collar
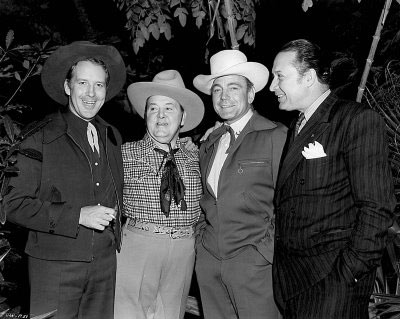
column 241, row 123
column 75, row 122
column 151, row 145
column 313, row 107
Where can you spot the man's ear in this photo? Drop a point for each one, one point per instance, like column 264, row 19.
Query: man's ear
column 251, row 95
column 183, row 118
column 67, row 88
column 311, row 77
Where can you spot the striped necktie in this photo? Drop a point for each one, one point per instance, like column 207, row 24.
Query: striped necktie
column 298, row 124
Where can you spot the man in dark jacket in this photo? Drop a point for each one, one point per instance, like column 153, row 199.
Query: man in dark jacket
column 234, row 244
column 334, row 196
column 70, row 200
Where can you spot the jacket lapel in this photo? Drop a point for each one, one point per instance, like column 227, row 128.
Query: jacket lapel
column 314, row 128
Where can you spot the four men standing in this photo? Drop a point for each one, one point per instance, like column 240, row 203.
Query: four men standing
column 333, row 194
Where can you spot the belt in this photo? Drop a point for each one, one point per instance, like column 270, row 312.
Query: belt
column 172, row 232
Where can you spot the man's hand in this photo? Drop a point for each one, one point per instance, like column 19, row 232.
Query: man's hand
column 96, row 217
column 189, row 145
column 210, row 130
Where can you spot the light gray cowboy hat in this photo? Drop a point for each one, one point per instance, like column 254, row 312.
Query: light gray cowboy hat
column 232, row 62
column 57, row 65
column 168, row 83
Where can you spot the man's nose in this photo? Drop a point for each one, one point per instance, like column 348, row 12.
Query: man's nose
column 161, row 114
column 90, row 90
column 273, row 85
column 224, row 95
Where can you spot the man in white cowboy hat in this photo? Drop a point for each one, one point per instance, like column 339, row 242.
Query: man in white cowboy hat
column 239, row 166
column 69, row 196
column 162, row 188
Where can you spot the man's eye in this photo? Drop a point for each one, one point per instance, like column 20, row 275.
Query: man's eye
column 81, row 82
column 216, row 90
column 100, row 85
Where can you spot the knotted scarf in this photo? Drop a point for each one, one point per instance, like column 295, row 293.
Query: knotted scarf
column 217, row 134
column 171, row 182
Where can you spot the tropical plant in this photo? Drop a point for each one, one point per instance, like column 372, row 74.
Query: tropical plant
column 150, row 18
column 383, row 95
column 17, row 65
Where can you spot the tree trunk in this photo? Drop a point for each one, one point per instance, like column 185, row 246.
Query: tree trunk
column 232, row 31
column 371, row 54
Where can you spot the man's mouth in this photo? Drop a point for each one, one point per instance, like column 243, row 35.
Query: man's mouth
column 90, row 103
column 280, row 97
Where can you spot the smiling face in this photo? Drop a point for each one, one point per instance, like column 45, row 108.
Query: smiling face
column 164, row 117
column 231, row 97
column 291, row 87
column 86, row 89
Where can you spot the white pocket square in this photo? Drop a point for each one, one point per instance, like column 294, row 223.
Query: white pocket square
column 314, row 150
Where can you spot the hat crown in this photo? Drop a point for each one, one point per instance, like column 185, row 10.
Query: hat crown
column 170, row 78
column 226, row 59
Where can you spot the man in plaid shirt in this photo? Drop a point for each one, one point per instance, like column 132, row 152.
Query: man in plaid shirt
column 162, row 189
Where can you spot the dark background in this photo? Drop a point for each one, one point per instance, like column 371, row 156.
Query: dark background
column 343, row 27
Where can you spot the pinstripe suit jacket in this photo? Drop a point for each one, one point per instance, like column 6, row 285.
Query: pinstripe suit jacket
column 332, row 211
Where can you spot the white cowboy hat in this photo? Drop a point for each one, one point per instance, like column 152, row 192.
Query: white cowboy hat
column 232, row 62
column 168, row 83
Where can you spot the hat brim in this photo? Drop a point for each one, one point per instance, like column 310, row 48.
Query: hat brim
column 139, row 92
column 58, row 64
column 257, row 73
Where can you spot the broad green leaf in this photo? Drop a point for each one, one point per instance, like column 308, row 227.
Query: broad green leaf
column 139, row 35
column 147, row 21
column 182, row 18
column 144, row 30
column 17, row 76
column 174, row 3
column 240, row 31
column 136, row 46
column 154, row 30
column 26, row 64
column 199, row 21
column 306, row 4
column 167, row 31
column 9, row 127
column 9, row 38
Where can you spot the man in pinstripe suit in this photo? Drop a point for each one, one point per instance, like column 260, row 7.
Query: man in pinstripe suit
column 334, row 196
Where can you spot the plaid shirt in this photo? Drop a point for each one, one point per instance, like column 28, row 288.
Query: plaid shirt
column 142, row 180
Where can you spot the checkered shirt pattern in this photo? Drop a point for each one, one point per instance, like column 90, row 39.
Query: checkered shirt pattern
column 142, row 179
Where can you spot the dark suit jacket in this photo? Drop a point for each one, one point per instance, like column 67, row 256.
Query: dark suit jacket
column 243, row 214
column 47, row 195
column 333, row 211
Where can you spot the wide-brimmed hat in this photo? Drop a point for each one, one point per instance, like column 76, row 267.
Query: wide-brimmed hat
column 168, row 83
column 232, row 62
column 56, row 67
